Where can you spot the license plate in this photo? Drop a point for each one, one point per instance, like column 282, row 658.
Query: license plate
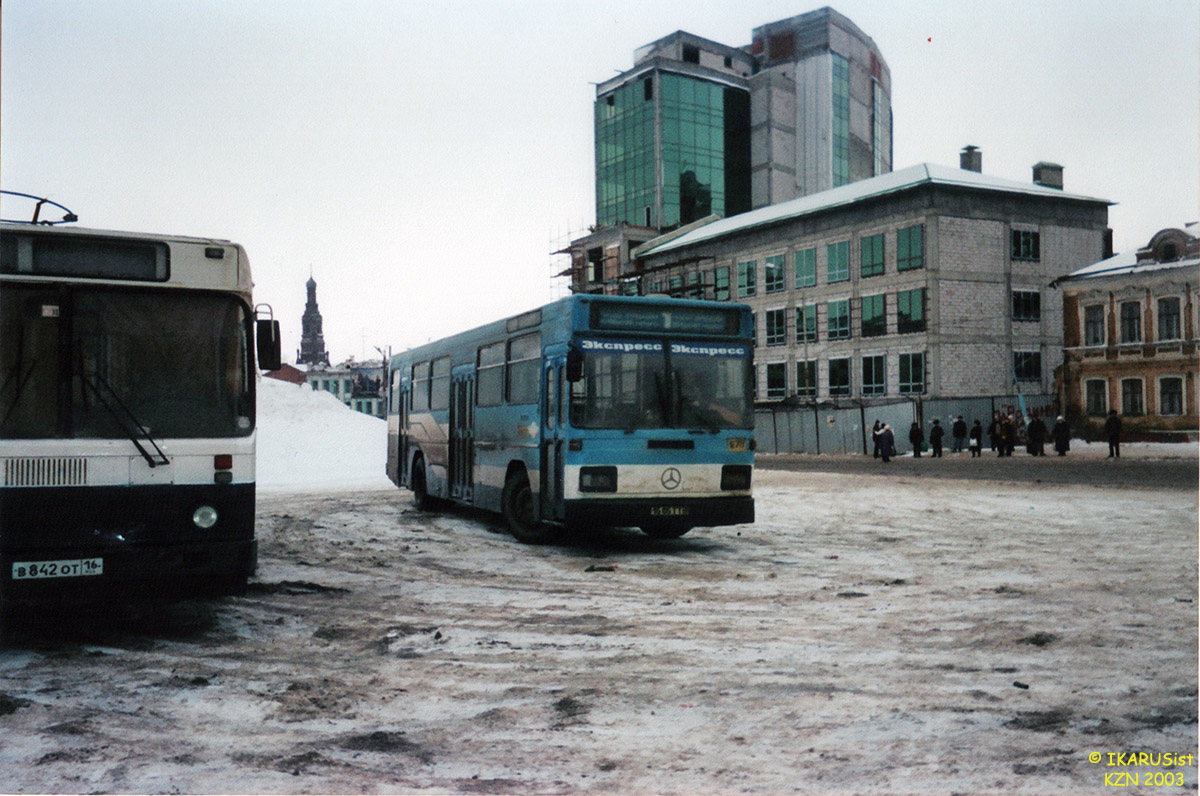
column 737, row 444
column 70, row 568
column 669, row 511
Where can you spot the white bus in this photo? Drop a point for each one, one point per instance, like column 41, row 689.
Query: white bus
column 127, row 415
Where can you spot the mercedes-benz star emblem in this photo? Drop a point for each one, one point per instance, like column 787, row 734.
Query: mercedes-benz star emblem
column 671, row 478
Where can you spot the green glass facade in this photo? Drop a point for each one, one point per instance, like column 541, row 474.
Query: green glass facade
column 841, row 120
column 625, row 152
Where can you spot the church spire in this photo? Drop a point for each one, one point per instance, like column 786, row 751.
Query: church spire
column 312, row 340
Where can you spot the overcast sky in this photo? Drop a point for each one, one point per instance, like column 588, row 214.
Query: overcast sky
column 424, row 159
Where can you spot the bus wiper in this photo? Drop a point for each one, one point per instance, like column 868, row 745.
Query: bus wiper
column 128, row 421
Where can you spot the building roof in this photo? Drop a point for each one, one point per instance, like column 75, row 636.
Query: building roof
column 1128, row 263
column 883, row 185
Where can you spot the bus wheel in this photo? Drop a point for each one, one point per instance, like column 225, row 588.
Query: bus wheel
column 516, row 502
column 665, row 531
column 421, row 499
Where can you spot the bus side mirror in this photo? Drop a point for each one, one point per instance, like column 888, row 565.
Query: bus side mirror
column 574, row 365
column 266, row 335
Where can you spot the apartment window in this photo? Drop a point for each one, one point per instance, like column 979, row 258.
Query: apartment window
column 874, row 375
column 874, row 316
column 1093, row 325
column 1131, row 398
column 629, row 287
column 806, row 268
column 1131, row 322
column 910, row 248
column 721, row 283
column 806, row 324
column 839, row 377
column 872, row 255
column 1168, row 319
column 910, row 311
column 838, row 313
column 777, row 380
column 806, row 378
column 691, row 54
column 773, row 276
column 1026, row 245
column 746, row 278
column 695, row 281
column 776, row 327
column 1095, row 397
column 837, row 261
column 675, row 285
column 912, row 373
column 1026, row 305
column 1027, row 365
column 1170, row 396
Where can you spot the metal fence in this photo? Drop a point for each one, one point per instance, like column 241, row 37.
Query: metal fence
column 830, row 429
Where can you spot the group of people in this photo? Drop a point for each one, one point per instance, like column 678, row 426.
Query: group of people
column 1002, row 436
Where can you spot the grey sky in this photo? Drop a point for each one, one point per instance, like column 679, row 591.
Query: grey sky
column 422, row 159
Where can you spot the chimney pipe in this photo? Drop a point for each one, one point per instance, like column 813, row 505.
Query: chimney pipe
column 971, row 159
column 1049, row 175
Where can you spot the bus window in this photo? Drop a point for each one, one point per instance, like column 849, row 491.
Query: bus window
column 524, row 359
column 439, row 386
column 551, row 410
column 396, row 392
column 490, row 375
column 420, row 387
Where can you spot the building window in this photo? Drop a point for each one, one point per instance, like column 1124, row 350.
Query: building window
column 839, row 377
column 841, row 120
column 1027, row 365
column 721, row 283
column 1131, row 398
column 874, row 375
column 1026, row 305
column 806, row 324
column 1026, row 245
column 773, row 275
column 806, row 268
column 1093, row 325
column 910, row 311
column 872, row 255
column 912, row 373
column 776, row 327
column 838, row 313
column 1095, row 396
column 1131, row 322
column 695, row 281
column 629, row 287
column 777, row 380
column 1170, row 396
column 691, row 54
column 806, row 378
column 675, row 285
column 874, row 316
column 1168, row 319
column 910, row 248
column 746, row 273
column 837, row 262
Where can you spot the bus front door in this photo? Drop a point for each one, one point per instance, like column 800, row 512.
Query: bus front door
column 553, row 417
column 462, row 436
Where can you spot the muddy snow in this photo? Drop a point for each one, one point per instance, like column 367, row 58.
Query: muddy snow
column 875, row 631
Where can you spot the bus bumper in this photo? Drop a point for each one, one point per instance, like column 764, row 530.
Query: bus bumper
column 651, row 512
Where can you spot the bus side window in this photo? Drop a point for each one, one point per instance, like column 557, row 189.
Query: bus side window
column 395, row 392
column 524, row 360
column 551, row 410
column 490, row 375
column 420, row 387
column 439, row 387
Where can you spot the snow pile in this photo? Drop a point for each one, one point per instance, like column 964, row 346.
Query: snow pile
column 309, row 439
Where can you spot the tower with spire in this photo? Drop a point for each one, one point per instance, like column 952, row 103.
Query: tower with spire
column 312, row 341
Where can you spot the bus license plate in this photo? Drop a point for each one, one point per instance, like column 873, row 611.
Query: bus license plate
column 737, row 444
column 71, row 568
column 669, row 511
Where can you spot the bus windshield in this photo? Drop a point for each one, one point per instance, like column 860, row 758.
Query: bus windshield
column 98, row 363
column 645, row 384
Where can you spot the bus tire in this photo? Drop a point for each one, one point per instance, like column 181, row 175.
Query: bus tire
column 665, row 531
column 516, row 503
column 420, row 487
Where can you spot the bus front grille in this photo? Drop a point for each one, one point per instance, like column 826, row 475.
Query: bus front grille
column 46, row 472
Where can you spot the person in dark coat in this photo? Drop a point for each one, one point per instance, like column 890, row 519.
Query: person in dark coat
column 1036, row 434
column 994, row 431
column 875, row 432
column 935, row 438
column 976, row 440
column 1062, row 436
column 1112, row 430
column 916, row 436
column 1008, row 436
column 959, row 432
column 887, row 443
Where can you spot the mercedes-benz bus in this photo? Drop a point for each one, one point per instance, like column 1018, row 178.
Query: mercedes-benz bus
column 127, row 415
column 590, row 411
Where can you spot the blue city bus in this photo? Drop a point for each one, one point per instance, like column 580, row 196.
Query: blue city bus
column 590, row 411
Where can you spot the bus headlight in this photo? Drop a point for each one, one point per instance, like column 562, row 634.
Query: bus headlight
column 204, row 517
column 597, row 479
column 735, row 477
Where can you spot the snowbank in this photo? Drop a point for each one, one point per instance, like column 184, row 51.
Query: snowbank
column 309, row 439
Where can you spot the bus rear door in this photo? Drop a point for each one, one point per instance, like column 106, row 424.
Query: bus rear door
column 462, row 436
column 552, row 439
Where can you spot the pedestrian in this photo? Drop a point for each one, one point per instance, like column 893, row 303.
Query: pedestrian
column 1062, row 436
column 1036, row 434
column 935, row 438
column 917, row 437
column 994, row 432
column 875, row 432
column 976, row 440
column 959, row 432
column 887, row 443
column 1112, row 430
column 1006, row 431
